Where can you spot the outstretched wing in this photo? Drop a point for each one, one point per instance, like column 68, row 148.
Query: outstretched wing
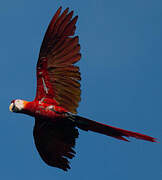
column 57, row 76
column 55, row 141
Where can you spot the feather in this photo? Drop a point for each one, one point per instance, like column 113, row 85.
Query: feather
column 58, row 54
column 55, row 141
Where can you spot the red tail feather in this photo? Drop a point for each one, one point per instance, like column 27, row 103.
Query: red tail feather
column 86, row 124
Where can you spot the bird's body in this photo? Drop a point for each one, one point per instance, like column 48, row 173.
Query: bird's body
column 43, row 109
column 58, row 96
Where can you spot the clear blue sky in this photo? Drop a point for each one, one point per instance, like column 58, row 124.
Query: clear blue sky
column 121, row 66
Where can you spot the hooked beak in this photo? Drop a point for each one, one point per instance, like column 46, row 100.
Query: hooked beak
column 11, row 107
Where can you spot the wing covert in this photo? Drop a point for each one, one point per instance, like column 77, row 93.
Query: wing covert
column 57, row 76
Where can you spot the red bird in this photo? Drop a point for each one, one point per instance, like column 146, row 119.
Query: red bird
column 58, row 94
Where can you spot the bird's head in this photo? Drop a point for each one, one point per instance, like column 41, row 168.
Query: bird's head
column 17, row 105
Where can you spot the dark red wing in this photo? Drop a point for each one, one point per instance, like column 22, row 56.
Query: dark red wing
column 55, row 141
column 57, row 76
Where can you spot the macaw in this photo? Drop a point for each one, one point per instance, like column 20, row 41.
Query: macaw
column 58, row 94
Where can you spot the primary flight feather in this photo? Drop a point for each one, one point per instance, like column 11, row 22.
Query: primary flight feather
column 58, row 94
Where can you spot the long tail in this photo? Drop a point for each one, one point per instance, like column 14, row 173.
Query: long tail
column 87, row 124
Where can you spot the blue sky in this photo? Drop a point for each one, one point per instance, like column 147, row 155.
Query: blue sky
column 121, row 70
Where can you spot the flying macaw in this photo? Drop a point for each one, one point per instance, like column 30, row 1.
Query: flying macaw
column 58, row 94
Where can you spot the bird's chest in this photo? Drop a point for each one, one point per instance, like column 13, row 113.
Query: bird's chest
column 49, row 111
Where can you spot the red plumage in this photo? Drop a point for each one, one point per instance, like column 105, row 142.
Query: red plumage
column 58, row 95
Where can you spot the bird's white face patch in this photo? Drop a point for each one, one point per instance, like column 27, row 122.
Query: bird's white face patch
column 19, row 104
